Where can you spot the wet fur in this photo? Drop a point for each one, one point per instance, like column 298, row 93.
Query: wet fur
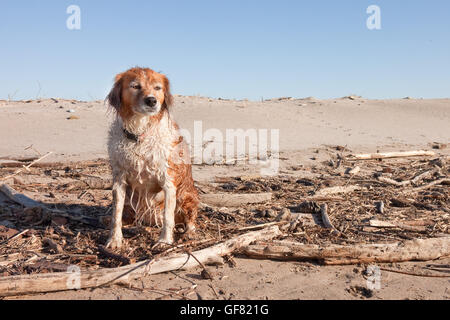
column 153, row 182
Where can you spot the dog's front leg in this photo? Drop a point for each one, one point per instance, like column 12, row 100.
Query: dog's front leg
column 170, row 194
column 115, row 237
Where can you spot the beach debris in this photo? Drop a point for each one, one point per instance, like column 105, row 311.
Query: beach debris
column 51, row 282
column 437, row 145
column 379, row 205
column 353, row 171
column 409, row 250
column 387, row 155
column 284, row 215
column 338, row 189
column 234, row 199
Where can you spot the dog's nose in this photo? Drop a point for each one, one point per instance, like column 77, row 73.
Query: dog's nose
column 150, row 101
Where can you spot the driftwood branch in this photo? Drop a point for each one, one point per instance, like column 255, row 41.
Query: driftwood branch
column 234, row 200
column 387, row 155
column 50, row 282
column 395, row 224
column 325, row 218
column 26, row 167
column 410, row 250
column 394, row 182
column 27, row 202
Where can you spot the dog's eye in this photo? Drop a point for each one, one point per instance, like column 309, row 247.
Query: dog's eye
column 157, row 88
column 136, row 86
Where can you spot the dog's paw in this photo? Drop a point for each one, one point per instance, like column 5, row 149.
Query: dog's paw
column 163, row 243
column 189, row 233
column 161, row 246
column 115, row 241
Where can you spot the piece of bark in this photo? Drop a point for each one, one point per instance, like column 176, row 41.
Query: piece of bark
column 410, row 250
column 335, row 190
column 53, row 245
column 50, row 282
column 234, row 199
column 387, row 155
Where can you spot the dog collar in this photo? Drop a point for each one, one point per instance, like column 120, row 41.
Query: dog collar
column 131, row 136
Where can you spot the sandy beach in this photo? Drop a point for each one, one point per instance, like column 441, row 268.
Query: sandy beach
column 309, row 132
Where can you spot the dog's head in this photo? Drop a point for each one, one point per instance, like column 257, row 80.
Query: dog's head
column 140, row 91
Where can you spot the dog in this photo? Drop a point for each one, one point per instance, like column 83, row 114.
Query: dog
column 150, row 161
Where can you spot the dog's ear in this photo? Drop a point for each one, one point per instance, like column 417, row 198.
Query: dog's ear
column 168, row 98
column 115, row 96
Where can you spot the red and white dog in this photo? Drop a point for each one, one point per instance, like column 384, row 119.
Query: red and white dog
column 150, row 160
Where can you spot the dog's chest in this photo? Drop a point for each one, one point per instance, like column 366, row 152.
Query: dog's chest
column 146, row 161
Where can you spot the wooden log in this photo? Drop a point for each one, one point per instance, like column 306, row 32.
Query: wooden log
column 410, row 250
column 19, row 198
column 50, row 282
column 396, row 224
column 234, row 199
column 387, row 155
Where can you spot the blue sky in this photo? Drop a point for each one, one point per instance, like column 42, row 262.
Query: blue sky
column 231, row 49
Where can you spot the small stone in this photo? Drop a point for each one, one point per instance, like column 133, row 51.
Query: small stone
column 439, row 146
column 380, row 206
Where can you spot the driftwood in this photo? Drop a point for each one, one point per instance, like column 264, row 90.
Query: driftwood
column 234, row 199
column 26, row 167
column 394, row 182
column 432, row 184
column 325, row 218
column 387, row 155
column 410, row 250
column 27, row 202
column 395, row 224
column 335, row 190
column 19, row 198
column 50, row 282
